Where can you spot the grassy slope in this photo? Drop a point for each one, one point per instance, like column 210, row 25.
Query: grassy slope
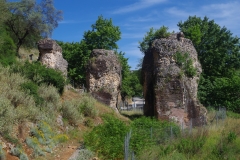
column 20, row 112
column 223, row 140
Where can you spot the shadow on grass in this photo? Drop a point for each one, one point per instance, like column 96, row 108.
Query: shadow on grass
column 132, row 114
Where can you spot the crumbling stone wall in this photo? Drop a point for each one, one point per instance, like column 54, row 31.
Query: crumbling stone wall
column 104, row 77
column 168, row 91
column 50, row 54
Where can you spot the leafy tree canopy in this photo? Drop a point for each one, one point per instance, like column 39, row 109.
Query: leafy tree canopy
column 3, row 11
column 217, row 49
column 77, row 55
column 29, row 20
column 103, row 35
column 219, row 55
column 130, row 79
column 151, row 35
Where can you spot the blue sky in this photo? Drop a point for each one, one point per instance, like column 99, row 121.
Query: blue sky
column 136, row 17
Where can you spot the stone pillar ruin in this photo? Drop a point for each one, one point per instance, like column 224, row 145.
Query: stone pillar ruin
column 50, row 55
column 104, row 77
column 169, row 92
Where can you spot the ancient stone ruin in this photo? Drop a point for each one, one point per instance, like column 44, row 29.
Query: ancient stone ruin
column 50, row 54
column 104, row 77
column 171, row 72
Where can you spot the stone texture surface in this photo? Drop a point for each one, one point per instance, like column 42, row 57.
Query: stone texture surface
column 104, row 77
column 168, row 93
column 50, row 54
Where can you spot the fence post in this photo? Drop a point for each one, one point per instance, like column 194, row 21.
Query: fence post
column 190, row 129
column 126, row 145
column 182, row 126
column 151, row 132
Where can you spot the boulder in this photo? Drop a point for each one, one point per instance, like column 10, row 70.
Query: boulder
column 104, row 77
column 50, row 54
column 171, row 73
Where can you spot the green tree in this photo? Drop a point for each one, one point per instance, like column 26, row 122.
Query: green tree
column 3, row 17
column 103, row 35
column 217, row 49
column 219, row 55
column 131, row 85
column 77, row 55
column 29, row 20
column 7, row 46
column 3, row 11
column 151, row 35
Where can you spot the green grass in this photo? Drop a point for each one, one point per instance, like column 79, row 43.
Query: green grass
column 218, row 141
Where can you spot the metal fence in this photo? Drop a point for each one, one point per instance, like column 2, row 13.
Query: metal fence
column 159, row 136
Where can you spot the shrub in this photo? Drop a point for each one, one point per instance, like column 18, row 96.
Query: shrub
column 87, row 107
column 19, row 153
column 6, row 115
column 39, row 74
column 44, row 139
column 231, row 136
column 2, row 153
column 50, row 96
column 32, row 89
column 15, row 104
column 185, row 63
column 107, row 139
column 35, row 145
column 70, row 111
column 84, row 154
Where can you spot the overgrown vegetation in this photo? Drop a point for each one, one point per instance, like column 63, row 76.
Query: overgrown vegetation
column 107, row 139
column 185, row 63
column 7, row 48
column 24, row 100
column 39, row 74
column 30, row 91
column 218, row 53
column 44, row 139
column 215, row 141
column 150, row 36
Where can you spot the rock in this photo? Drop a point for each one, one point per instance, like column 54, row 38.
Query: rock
column 169, row 91
column 51, row 55
column 104, row 77
column 60, row 121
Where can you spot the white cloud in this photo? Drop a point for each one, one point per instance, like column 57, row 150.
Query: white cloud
column 177, row 12
column 224, row 14
column 223, row 10
column 68, row 22
column 138, row 6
